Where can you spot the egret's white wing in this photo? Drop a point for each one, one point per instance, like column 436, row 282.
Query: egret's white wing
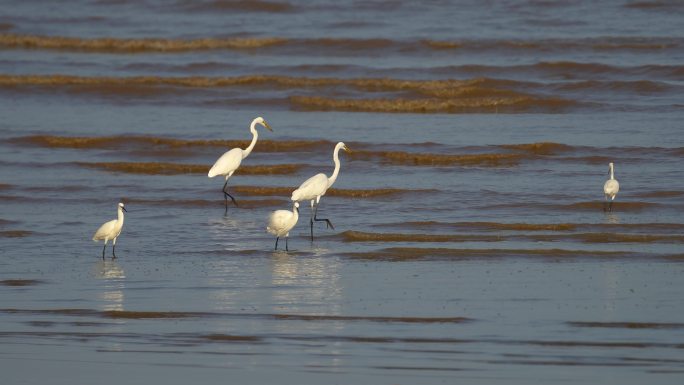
column 311, row 188
column 105, row 231
column 279, row 221
column 611, row 187
column 227, row 163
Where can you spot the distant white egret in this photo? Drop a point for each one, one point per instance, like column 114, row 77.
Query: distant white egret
column 316, row 186
column 111, row 230
column 230, row 161
column 280, row 222
column 610, row 188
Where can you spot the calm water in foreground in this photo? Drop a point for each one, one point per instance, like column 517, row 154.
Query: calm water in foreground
column 470, row 241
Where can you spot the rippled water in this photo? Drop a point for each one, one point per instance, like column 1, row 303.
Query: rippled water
column 470, row 241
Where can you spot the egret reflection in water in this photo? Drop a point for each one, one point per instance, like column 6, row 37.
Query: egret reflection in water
column 113, row 280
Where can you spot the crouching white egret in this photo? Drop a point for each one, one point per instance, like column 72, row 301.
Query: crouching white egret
column 280, row 222
column 315, row 187
column 230, row 161
column 111, row 230
column 610, row 188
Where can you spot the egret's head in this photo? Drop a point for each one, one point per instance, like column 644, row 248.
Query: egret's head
column 121, row 206
column 344, row 147
column 263, row 122
column 610, row 164
column 296, row 206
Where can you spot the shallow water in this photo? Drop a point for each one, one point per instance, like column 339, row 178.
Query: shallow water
column 470, row 241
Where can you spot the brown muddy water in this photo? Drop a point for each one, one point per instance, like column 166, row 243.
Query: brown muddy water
column 470, row 242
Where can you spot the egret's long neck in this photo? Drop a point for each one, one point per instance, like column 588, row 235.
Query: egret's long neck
column 612, row 175
column 295, row 211
column 255, row 135
column 336, row 159
column 120, row 216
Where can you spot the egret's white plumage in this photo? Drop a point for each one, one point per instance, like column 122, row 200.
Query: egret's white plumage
column 230, row 160
column 280, row 222
column 315, row 187
column 611, row 187
column 111, row 230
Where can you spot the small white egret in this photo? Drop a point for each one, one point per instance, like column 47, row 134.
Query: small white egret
column 230, row 161
column 316, row 186
column 280, row 222
column 610, row 188
column 111, row 230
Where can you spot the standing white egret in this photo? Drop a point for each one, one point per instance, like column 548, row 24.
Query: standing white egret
column 280, row 222
column 316, row 186
column 111, row 230
column 230, row 161
column 610, row 188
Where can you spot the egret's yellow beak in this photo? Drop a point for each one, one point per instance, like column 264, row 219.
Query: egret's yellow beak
column 345, row 148
column 267, row 126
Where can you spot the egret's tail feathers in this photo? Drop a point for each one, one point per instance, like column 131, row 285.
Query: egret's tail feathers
column 212, row 173
column 295, row 196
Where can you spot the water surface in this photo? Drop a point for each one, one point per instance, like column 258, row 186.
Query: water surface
column 470, row 241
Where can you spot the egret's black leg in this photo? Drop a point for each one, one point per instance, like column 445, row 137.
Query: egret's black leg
column 312, row 221
column 103, row 250
column 286, row 249
column 226, row 195
column 276, row 246
column 605, row 206
column 328, row 224
column 113, row 252
column 610, row 206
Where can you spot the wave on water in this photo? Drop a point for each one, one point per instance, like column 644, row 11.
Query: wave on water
column 345, row 193
column 150, row 143
column 647, row 87
column 410, row 96
column 598, row 237
column 129, row 314
column 517, row 103
column 156, row 168
column 596, row 206
column 626, row 325
column 574, row 44
column 415, row 253
column 541, row 148
column 503, row 155
column 15, row 233
column 617, row 206
column 360, row 236
column 446, row 88
column 490, row 226
column 213, row 6
column 19, row 282
column 115, row 45
column 427, row 159
column 327, row 44
column 659, row 194
column 201, row 203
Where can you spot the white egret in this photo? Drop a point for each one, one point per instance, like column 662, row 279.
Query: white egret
column 610, row 188
column 230, row 161
column 280, row 222
column 111, row 230
column 315, row 187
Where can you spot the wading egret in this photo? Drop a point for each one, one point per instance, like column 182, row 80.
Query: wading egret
column 315, row 187
column 230, row 161
column 610, row 188
column 280, row 222
column 111, row 230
